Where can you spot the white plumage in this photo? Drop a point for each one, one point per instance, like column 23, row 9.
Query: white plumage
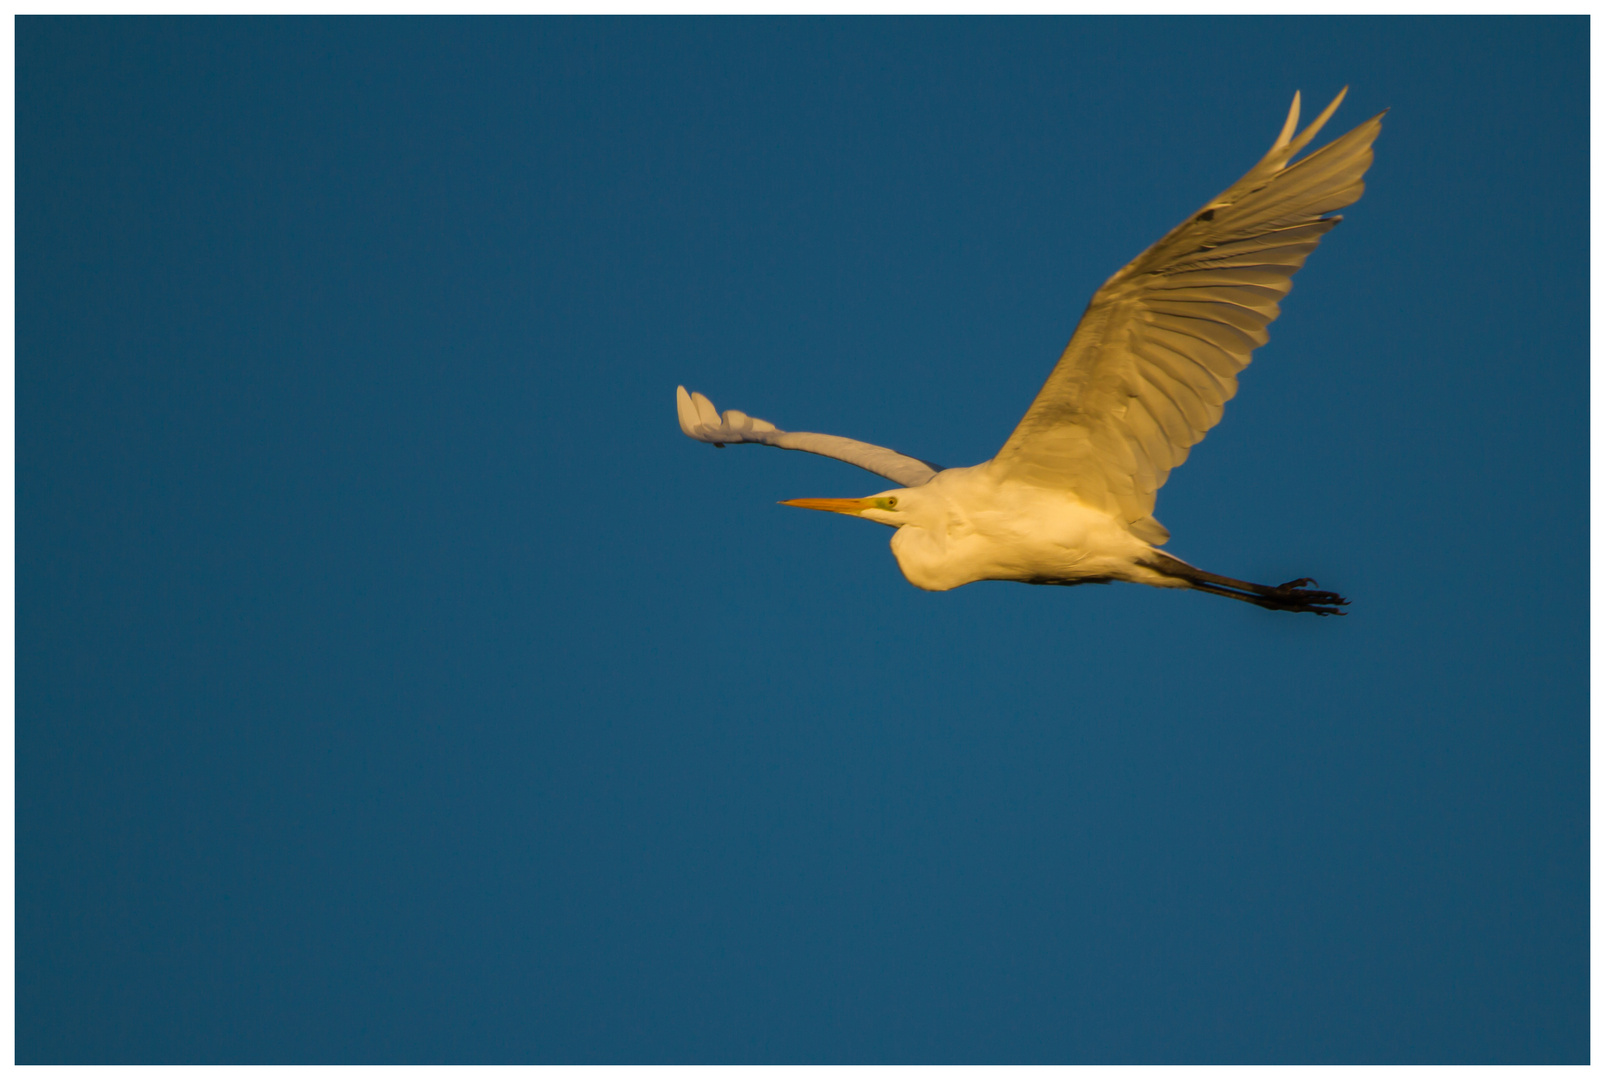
column 700, row 420
column 1069, row 498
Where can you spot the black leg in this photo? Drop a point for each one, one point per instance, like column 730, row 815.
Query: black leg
column 1289, row 596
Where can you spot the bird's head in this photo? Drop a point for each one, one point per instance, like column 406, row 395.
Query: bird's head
column 895, row 508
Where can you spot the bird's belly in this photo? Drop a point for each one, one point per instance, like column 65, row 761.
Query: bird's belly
column 1068, row 546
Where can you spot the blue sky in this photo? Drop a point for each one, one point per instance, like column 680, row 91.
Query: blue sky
column 396, row 683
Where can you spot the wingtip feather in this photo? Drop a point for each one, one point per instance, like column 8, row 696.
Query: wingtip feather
column 1303, row 138
column 686, row 411
column 706, row 413
column 1290, row 126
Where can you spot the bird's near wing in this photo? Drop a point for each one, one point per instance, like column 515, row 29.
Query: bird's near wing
column 1156, row 355
column 700, row 420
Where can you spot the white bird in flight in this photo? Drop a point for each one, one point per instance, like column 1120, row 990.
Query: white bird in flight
column 1069, row 500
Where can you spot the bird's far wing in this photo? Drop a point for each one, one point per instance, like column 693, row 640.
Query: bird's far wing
column 700, row 420
column 1156, row 355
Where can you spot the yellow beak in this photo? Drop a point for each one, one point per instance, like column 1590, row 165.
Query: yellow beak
column 835, row 506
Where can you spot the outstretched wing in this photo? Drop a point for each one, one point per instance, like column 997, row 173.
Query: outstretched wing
column 700, row 420
column 1156, row 355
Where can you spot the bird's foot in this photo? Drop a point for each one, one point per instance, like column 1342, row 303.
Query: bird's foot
column 1292, row 596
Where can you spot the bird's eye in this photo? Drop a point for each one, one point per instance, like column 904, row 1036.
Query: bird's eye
column 891, row 504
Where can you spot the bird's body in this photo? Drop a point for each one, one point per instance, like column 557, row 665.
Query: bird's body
column 965, row 525
column 1069, row 499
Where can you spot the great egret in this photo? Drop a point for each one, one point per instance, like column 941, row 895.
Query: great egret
column 1069, row 499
